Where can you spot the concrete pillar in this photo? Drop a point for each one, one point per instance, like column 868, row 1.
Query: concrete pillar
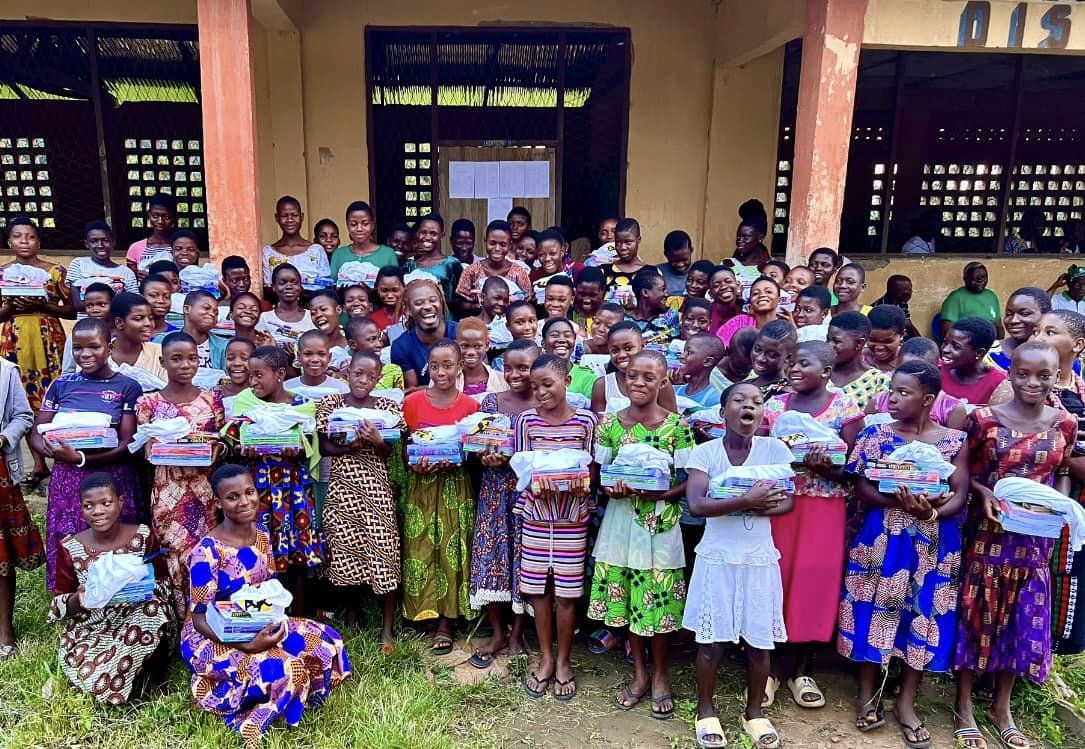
column 229, row 132
column 830, row 60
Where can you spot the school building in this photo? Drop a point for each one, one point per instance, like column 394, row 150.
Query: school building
column 847, row 118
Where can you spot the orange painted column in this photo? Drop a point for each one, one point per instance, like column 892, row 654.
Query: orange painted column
column 830, row 61
column 229, row 132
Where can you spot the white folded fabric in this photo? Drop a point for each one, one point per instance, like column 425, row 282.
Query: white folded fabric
column 1026, row 491
column 68, row 419
column 527, row 462
column 383, row 419
column 163, row 430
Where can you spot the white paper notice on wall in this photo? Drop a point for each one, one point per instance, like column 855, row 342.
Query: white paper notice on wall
column 461, row 179
column 512, row 179
column 536, row 179
column 497, row 209
column 488, row 179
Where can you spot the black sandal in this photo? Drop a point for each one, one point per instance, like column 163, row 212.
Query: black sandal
column 543, row 685
column 568, row 695
column 879, row 719
column 663, row 714
column 442, row 644
column 914, row 742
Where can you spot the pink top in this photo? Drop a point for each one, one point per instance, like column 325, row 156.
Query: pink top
column 976, row 394
column 735, row 324
column 136, row 251
column 940, row 411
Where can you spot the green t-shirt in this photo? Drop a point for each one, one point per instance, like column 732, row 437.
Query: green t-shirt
column 380, row 257
column 583, row 380
column 963, row 303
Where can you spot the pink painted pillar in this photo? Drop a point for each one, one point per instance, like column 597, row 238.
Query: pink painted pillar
column 830, row 61
column 229, row 132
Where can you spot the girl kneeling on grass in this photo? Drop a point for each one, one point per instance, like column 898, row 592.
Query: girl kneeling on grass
column 289, row 665
column 105, row 651
column 554, row 538
column 736, row 593
column 360, row 511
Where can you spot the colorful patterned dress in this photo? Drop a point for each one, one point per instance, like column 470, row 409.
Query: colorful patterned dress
column 104, row 651
column 811, row 538
column 900, row 583
column 438, row 523
column 1004, row 619
column 495, row 552
column 360, row 512
column 864, row 387
column 286, row 499
column 182, row 505
column 554, row 536
column 1067, row 565
column 640, row 562
column 250, row 690
column 36, row 342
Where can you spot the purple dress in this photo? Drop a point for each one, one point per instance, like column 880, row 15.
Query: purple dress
column 1004, row 619
column 495, row 553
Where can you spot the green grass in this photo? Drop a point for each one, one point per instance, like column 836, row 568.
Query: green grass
column 396, row 700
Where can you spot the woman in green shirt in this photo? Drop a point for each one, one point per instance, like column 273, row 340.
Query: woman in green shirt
column 361, row 223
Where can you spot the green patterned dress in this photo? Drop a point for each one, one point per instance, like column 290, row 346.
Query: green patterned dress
column 639, row 577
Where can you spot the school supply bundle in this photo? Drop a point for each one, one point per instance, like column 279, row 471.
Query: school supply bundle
column 139, row 591
column 640, row 467
column 204, row 277
column 114, row 282
column 165, row 430
column 918, row 466
column 482, row 432
column 602, row 255
column 23, row 280
column 192, row 453
column 710, row 421
column 565, row 468
column 801, row 433
column 1034, row 509
column 357, row 272
column 284, row 335
column 346, row 423
column 116, row 574
column 436, row 444
column 249, row 610
column 224, row 329
column 340, row 357
column 81, row 430
column 208, row 378
column 673, row 353
column 396, row 395
column 271, row 427
column 739, row 480
column 746, row 275
column 500, row 335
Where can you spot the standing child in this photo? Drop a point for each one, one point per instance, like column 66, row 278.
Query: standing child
column 355, row 302
column 947, row 410
column 476, row 378
column 314, row 357
column 201, row 317
column 182, row 510
column 554, row 540
column 696, row 318
column 848, row 334
column 184, row 249
column 726, row 295
column 156, row 289
column 522, row 322
column 810, row 313
column 1004, row 616
column 811, row 537
column 462, row 240
column 438, row 521
column 610, row 393
column 699, row 359
column 359, row 516
column 965, row 373
column 495, row 552
column 326, row 313
column 326, row 233
column 771, row 356
column 287, row 666
column 95, row 388
column 429, row 234
column 162, row 218
column 519, row 219
column 495, row 300
column 291, row 247
column 558, row 296
column 905, row 552
column 97, row 298
column 736, row 594
column 363, row 334
column 588, row 297
column 607, row 317
column 559, row 339
column 697, row 279
column 283, row 479
column 238, row 353
column 887, row 326
column 627, row 255
column 105, row 651
column 1024, row 308
column 497, row 263
column 98, row 264
column 848, row 285
column 168, row 270
column 639, row 579
column 245, row 313
column 678, row 249
column 20, row 542
column 289, row 319
column 133, row 325
column 361, row 226
column 389, row 295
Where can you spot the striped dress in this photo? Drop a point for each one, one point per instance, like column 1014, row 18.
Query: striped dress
column 555, row 532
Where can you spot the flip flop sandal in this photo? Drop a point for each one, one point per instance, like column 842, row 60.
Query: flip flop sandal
column 803, row 686
column 878, row 722
column 631, row 700
column 772, row 686
column 7, row 652
column 601, row 640
column 964, row 735
column 663, row 714
column 710, row 727
column 544, row 684
column 914, row 743
column 762, row 732
column 481, row 660
column 1013, row 732
column 568, row 695
column 442, row 645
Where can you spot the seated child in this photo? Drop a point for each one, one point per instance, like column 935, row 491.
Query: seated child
column 702, row 353
column 289, row 665
column 848, row 335
column 106, row 651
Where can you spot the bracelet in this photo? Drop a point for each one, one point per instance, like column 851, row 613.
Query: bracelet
column 933, row 516
column 82, row 459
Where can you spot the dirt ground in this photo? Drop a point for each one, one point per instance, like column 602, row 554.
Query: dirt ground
column 592, row 720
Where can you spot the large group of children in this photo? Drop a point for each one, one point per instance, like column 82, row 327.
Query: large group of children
column 578, row 370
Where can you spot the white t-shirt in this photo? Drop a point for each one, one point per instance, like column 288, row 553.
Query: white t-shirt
column 330, row 386
column 82, row 271
column 283, row 330
column 738, row 539
column 311, row 264
column 1062, row 301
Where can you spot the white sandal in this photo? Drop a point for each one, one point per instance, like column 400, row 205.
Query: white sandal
column 803, row 686
column 760, row 729
column 772, row 686
column 710, row 727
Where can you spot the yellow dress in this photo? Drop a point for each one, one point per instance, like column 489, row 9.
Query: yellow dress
column 35, row 342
